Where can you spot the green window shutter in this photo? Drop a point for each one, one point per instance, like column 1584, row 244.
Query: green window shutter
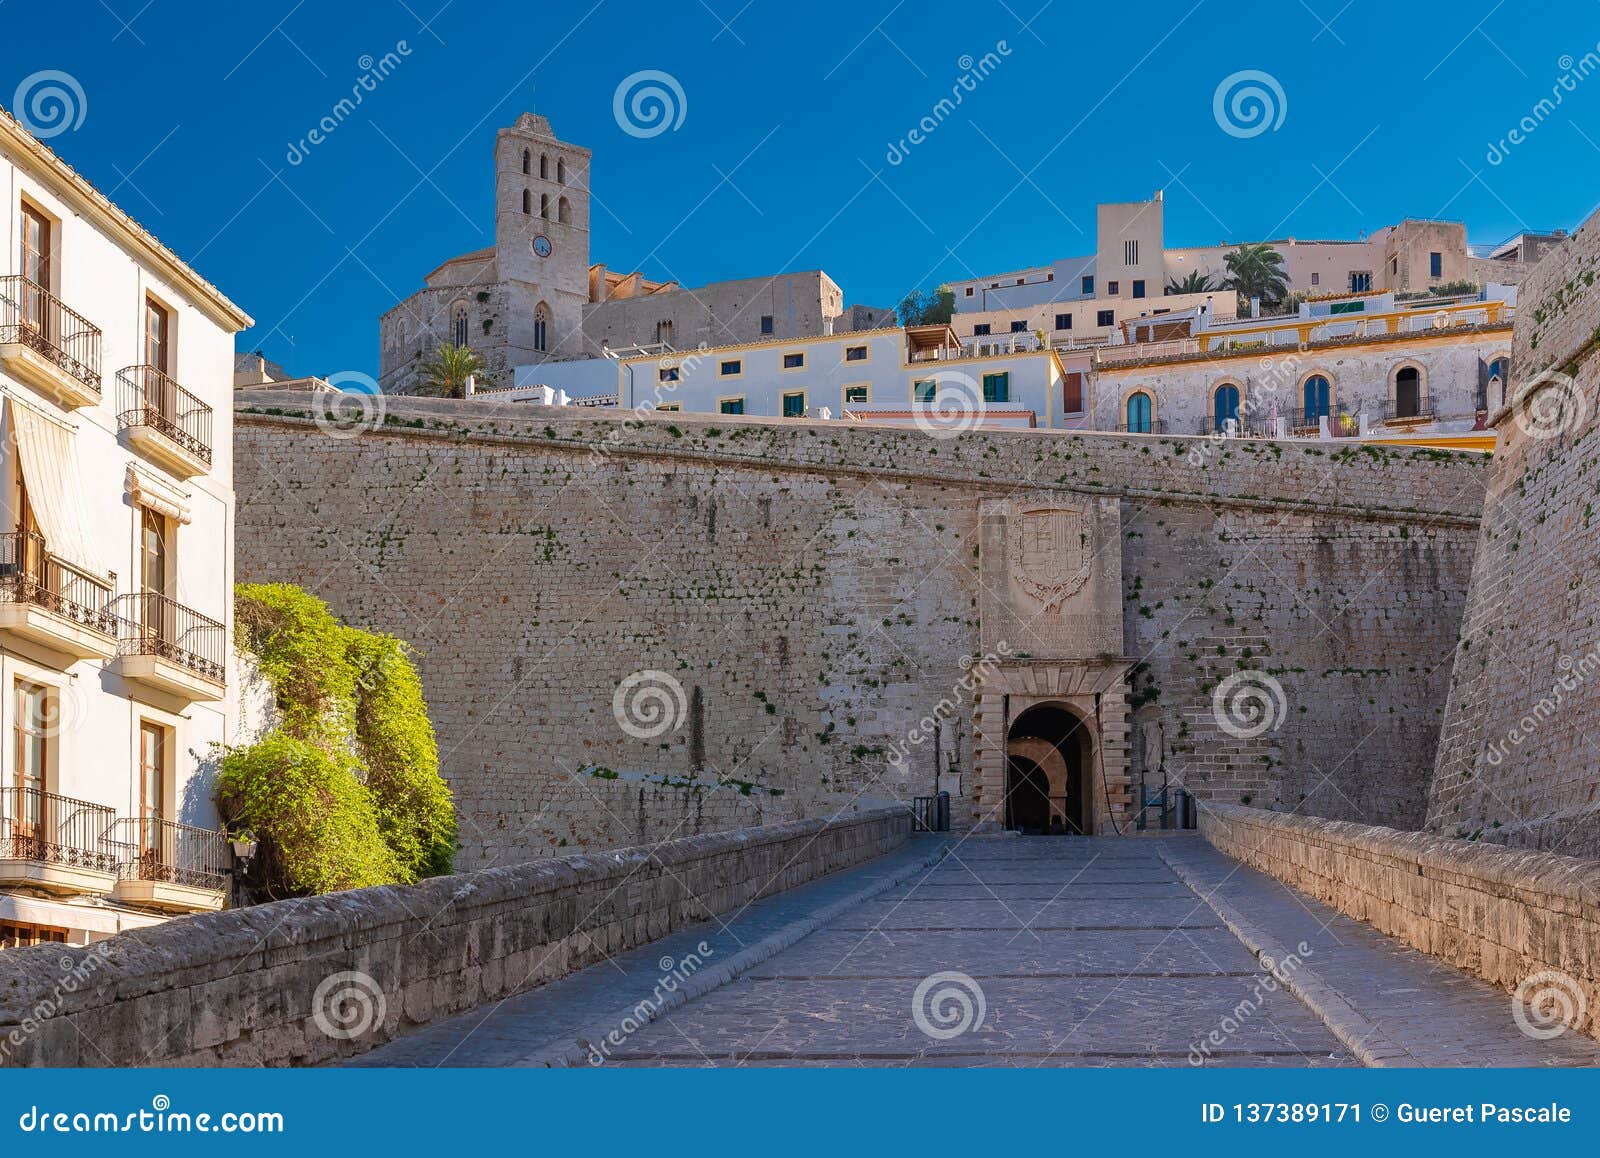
column 794, row 405
column 733, row 406
column 997, row 387
column 923, row 390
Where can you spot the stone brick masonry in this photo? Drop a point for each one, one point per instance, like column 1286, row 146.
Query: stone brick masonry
column 246, row 986
column 813, row 589
column 1502, row 915
column 1518, row 753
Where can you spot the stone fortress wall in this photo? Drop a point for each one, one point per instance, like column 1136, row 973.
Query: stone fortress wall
column 805, row 593
column 1518, row 753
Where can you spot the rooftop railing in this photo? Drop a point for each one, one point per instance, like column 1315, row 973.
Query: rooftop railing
column 30, row 574
column 41, row 826
column 150, row 398
column 160, row 626
column 170, row 853
column 33, row 316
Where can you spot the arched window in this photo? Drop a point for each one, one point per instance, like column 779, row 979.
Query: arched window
column 461, row 324
column 527, row 201
column 544, row 167
column 1317, row 400
column 1408, row 393
column 1224, row 405
column 564, row 211
column 544, row 206
column 1495, row 383
column 561, row 171
column 1139, row 413
column 527, row 161
column 541, row 328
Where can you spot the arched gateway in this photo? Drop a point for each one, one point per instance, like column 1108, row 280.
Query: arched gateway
column 1050, row 741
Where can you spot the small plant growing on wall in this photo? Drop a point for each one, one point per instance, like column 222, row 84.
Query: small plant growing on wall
column 344, row 791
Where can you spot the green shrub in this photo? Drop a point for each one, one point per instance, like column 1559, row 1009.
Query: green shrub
column 345, row 791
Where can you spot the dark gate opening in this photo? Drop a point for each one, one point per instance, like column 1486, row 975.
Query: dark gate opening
column 1051, row 797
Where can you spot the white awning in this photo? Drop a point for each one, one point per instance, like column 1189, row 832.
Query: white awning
column 55, row 491
column 148, row 489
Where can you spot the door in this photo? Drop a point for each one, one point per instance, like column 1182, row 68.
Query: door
column 30, row 816
column 152, row 790
column 34, row 265
column 154, row 576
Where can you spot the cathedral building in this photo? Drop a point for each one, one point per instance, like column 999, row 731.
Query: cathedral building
column 535, row 297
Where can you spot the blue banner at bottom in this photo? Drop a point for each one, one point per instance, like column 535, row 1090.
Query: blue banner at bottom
column 777, row 1111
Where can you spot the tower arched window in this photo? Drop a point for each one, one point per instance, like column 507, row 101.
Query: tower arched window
column 561, row 171
column 544, row 206
column 544, row 167
column 1496, row 373
column 541, row 328
column 564, row 211
column 527, row 161
column 461, row 324
column 527, row 201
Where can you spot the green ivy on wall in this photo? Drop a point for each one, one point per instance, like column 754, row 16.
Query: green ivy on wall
column 345, row 791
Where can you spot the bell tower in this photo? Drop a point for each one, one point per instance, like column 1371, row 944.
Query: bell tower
column 541, row 227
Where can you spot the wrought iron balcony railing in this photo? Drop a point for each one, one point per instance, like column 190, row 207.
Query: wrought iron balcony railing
column 170, row 853
column 33, row 316
column 150, row 398
column 58, row 830
column 30, row 574
column 1153, row 426
column 159, row 626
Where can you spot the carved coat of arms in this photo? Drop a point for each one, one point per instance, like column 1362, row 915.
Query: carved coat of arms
column 1049, row 553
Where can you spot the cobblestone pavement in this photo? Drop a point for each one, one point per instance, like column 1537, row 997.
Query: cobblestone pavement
column 1045, row 951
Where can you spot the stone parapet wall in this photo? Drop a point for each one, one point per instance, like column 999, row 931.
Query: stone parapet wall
column 1499, row 914
column 259, row 986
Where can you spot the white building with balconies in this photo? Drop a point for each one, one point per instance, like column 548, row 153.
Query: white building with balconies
column 116, row 562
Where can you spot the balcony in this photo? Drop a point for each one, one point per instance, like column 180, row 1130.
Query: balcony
column 51, row 603
column 171, row 648
column 55, row 843
column 169, row 866
column 48, row 346
column 1148, row 426
column 163, row 421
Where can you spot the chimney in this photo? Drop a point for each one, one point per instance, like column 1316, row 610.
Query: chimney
column 472, row 385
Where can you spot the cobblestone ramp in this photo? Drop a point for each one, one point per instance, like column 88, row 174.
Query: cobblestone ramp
column 1078, row 952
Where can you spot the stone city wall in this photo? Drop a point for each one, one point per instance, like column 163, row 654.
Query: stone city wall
column 263, row 985
column 1518, row 754
column 794, row 597
column 1499, row 914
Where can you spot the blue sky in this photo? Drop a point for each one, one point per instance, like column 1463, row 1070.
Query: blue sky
column 780, row 162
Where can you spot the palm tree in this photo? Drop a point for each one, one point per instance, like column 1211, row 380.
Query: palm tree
column 445, row 374
column 1256, row 271
column 1194, row 282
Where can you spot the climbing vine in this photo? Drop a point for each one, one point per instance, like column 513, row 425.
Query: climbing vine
column 344, row 791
